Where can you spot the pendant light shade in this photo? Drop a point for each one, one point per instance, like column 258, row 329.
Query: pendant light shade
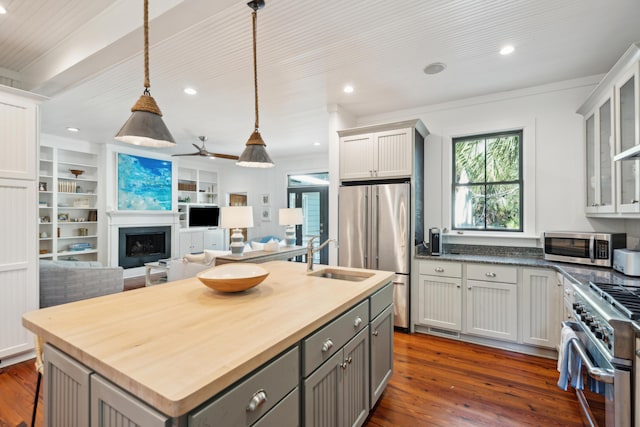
column 255, row 153
column 145, row 126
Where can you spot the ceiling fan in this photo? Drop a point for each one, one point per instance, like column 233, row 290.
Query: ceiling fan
column 202, row 151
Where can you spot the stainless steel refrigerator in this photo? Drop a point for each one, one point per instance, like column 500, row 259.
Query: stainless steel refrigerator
column 374, row 231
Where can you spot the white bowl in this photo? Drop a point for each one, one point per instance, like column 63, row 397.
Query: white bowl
column 233, row 277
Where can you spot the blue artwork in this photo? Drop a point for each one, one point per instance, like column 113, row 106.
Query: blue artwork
column 143, row 183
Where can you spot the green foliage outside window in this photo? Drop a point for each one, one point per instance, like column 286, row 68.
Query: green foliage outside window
column 487, row 182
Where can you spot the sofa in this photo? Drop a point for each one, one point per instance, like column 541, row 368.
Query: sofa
column 191, row 264
column 67, row 281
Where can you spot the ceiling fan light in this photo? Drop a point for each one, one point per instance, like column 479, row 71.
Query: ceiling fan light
column 255, row 153
column 145, row 126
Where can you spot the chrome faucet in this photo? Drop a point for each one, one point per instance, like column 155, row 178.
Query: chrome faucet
column 311, row 250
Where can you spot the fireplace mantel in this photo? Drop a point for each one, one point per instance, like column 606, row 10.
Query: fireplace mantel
column 121, row 218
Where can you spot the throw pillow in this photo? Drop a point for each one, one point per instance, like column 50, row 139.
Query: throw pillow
column 195, row 257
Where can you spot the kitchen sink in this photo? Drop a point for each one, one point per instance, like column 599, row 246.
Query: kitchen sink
column 340, row 274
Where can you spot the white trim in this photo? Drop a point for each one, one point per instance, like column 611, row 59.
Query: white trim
column 528, row 127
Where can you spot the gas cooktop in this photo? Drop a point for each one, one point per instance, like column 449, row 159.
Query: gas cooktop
column 625, row 299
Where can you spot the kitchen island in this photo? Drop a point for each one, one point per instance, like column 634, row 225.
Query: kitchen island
column 177, row 346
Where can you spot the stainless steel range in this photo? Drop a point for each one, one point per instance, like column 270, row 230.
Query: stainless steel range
column 602, row 316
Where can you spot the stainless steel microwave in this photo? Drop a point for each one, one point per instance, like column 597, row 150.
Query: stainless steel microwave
column 583, row 248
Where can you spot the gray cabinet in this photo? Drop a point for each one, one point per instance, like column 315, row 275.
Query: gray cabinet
column 337, row 393
column 381, row 341
column 65, row 390
column 113, row 407
column 248, row 401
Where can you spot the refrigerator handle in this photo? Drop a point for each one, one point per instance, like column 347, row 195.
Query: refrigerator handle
column 375, row 229
column 366, row 225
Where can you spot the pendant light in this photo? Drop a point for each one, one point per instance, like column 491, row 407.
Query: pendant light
column 255, row 154
column 145, row 126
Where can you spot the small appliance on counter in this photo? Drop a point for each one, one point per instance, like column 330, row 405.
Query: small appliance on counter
column 589, row 248
column 627, row 261
column 435, row 241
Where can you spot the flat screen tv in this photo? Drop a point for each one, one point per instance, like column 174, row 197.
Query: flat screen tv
column 204, row 216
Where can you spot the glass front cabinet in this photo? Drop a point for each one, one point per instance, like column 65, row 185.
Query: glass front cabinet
column 611, row 127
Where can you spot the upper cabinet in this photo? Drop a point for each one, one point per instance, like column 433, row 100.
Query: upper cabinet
column 612, row 140
column 381, row 151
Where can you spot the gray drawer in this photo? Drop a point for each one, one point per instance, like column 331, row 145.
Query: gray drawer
column 284, row 414
column 381, row 300
column 276, row 380
column 323, row 343
column 492, row 273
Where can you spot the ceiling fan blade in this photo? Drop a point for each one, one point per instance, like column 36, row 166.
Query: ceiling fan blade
column 224, row 156
column 190, row 154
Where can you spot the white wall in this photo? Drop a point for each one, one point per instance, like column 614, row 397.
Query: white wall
column 557, row 154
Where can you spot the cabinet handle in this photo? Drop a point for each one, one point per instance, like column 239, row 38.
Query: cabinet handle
column 328, row 345
column 490, row 274
column 357, row 322
column 349, row 360
column 374, row 333
column 439, row 270
column 258, row 398
column 458, row 286
column 343, row 365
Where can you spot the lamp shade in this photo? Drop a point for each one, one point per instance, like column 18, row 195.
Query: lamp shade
column 290, row 216
column 236, row 217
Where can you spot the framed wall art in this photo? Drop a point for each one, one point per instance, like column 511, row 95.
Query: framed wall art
column 143, row 183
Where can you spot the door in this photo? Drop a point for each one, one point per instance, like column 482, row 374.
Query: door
column 390, row 230
column 311, row 193
column 353, row 223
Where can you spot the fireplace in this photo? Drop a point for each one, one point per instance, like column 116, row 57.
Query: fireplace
column 139, row 245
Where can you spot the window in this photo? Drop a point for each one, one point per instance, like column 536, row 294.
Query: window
column 487, row 182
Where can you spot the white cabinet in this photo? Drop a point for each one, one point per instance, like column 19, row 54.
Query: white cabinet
column 599, row 125
column 191, row 241
column 440, row 295
column 612, row 130
column 627, row 137
column 213, row 239
column 18, row 221
column 492, row 301
column 541, row 307
column 385, row 151
column 68, row 204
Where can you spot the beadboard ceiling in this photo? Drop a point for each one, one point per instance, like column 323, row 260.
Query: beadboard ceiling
column 87, row 57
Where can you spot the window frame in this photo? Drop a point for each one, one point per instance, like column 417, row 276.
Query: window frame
column 519, row 132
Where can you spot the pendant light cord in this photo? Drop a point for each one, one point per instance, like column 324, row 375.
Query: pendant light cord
column 255, row 67
column 147, row 84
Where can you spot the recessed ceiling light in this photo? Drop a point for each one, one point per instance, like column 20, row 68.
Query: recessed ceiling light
column 507, row 50
column 348, row 89
column 2, row 10
column 72, row 129
column 435, row 68
column 316, row 144
column 190, row 91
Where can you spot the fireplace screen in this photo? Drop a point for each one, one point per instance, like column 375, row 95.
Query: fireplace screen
column 139, row 245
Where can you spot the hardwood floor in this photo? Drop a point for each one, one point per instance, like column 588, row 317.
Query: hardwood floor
column 437, row 382
column 441, row 382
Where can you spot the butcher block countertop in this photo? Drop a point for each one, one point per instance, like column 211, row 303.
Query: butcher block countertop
column 176, row 345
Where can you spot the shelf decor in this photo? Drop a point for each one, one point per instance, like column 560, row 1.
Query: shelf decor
column 143, row 183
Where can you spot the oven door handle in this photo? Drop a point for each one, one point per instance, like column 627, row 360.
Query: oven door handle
column 600, row 374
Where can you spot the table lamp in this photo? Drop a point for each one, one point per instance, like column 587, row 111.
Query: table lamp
column 236, row 217
column 290, row 217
